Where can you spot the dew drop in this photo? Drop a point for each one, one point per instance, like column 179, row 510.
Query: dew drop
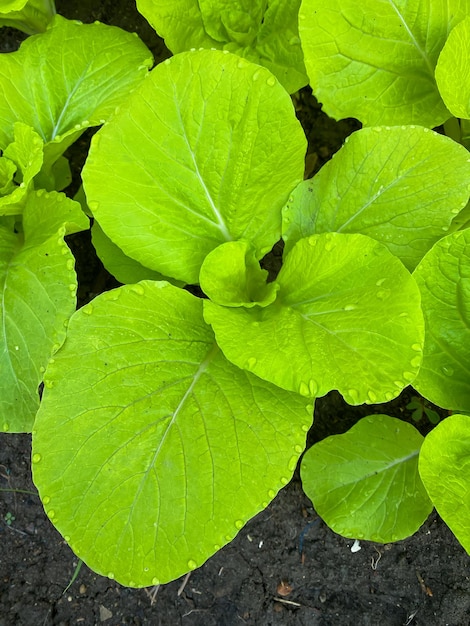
column 409, row 376
column 271, row 494
column 155, row 581
column 309, row 409
column 241, row 64
column 389, row 396
column 192, row 564
column 66, row 538
column 48, row 383
column 293, row 41
column 228, row 538
column 111, row 575
column 298, row 449
column 292, row 463
column 372, row 396
column 271, row 81
column 380, row 282
column 87, row 309
column 383, row 294
column 93, row 205
column 415, row 361
column 112, row 295
column 72, row 288
column 46, row 500
column 448, row 371
column 131, row 583
column 305, row 427
column 284, row 480
column 312, row 386
column 399, row 383
column 238, row 524
column 416, row 347
column 138, row 289
column 250, row 364
column 256, row 75
column 312, row 241
column 216, row 547
column 303, row 389
column 70, row 264
column 6, row 426
column 51, row 514
column 36, row 458
column 353, row 394
column 350, row 307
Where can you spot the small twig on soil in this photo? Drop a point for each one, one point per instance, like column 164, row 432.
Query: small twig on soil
column 374, row 562
column 289, row 602
column 184, row 583
column 411, row 617
column 152, row 594
column 424, row 588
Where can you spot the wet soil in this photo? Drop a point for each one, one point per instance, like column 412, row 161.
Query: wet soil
column 285, row 567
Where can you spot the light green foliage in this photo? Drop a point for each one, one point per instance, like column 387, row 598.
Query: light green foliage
column 263, row 31
column 375, row 59
column 365, row 483
column 444, row 466
column 443, row 277
column 345, row 303
column 38, row 287
column 69, row 78
column 231, row 276
column 150, row 450
column 30, row 16
column 453, row 70
column 19, row 164
column 205, row 151
column 399, row 185
column 122, row 267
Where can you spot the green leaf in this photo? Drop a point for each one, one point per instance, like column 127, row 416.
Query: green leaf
column 205, row 151
column 365, row 483
column 122, row 267
column 25, row 154
column 347, row 317
column 375, row 60
column 444, row 466
column 453, row 70
column 150, row 450
column 38, row 286
column 399, row 185
column 30, row 16
column 231, row 276
column 263, row 32
column 69, row 78
column 443, row 277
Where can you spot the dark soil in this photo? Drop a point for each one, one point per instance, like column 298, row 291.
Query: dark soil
column 286, row 567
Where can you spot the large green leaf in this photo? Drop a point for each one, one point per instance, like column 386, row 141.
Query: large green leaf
column 69, row 78
column 453, row 70
column 444, row 466
column 38, row 287
column 30, row 16
column 365, row 483
column 443, row 277
column 347, row 317
column 263, row 31
column 399, row 185
column 150, row 450
column 375, row 59
column 205, row 151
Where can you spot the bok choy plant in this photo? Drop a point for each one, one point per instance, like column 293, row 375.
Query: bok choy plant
column 176, row 406
column 168, row 420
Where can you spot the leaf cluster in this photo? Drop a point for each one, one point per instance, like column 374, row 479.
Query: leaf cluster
column 168, row 420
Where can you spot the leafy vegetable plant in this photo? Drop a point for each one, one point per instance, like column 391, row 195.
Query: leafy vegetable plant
column 30, row 16
column 176, row 406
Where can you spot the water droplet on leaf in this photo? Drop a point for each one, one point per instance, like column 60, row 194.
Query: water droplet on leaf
column 271, row 81
column 371, row 395
column 448, row 371
column 36, row 458
column 6, row 427
column 192, row 564
column 238, row 524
